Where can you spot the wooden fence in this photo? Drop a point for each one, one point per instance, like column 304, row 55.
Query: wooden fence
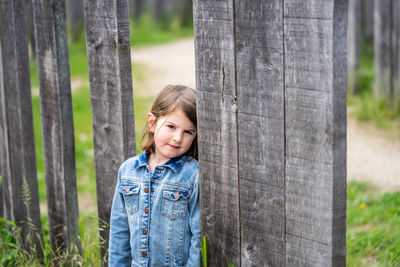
column 271, row 81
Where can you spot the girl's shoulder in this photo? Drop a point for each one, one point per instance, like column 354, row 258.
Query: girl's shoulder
column 134, row 162
column 189, row 162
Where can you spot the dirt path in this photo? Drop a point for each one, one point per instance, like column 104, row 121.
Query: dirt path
column 371, row 155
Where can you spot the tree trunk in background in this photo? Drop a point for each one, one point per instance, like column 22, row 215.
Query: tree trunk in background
column 137, row 8
column 382, row 48
column 367, row 18
column 75, row 18
column 2, row 142
column 110, row 75
column 396, row 54
column 353, row 44
column 57, row 124
column 387, row 46
column 184, row 11
column 271, row 85
column 20, row 188
column 30, row 28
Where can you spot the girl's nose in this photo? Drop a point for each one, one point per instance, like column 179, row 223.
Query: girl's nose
column 178, row 136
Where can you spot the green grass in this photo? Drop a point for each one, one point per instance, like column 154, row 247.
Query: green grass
column 373, row 226
column 365, row 106
column 12, row 254
column 147, row 32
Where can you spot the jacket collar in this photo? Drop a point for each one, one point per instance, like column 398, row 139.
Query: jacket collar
column 174, row 163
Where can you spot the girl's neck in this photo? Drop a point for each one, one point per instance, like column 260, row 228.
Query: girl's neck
column 153, row 161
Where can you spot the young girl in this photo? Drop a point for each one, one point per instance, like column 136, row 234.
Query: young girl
column 155, row 215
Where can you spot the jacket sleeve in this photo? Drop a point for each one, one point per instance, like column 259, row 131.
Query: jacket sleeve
column 194, row 223
column 119, row 252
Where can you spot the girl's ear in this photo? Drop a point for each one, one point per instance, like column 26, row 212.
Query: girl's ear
column 151, row 119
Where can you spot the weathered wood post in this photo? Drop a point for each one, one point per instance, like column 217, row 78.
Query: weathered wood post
column 110, row 74
column 387, row 51
column 271, row 81
column 354, row 35
column 20, row 189
column 57, row 124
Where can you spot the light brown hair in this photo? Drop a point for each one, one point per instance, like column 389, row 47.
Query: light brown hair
column 171, row 98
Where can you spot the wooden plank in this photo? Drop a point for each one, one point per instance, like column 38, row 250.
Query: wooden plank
column 57, row 124
column 260, row 101
column 18, row 156
column 110, row 74
column 315, row 123
column 354, row 31
column 217, row 129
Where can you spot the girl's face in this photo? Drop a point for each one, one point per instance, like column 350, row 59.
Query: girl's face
column 173, row 134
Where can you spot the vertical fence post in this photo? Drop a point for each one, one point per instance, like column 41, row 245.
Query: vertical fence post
column 57, row 124
column 315, row 132
column 18, row 148
column 271, row 78
column 217, row 129
column 110, row 74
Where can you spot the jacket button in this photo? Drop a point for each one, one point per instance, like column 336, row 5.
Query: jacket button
column 144, row 254
column 152, row 190
column 144, row 232
column 146, row 210
column 146, row 190
column 159, row 171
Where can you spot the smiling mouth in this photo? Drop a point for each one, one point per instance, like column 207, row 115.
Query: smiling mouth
column 173, row 147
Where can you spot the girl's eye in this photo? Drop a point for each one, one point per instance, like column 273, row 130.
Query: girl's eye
column 171, row 126
column 188, row 132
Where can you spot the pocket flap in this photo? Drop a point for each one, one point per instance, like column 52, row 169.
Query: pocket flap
column 129, row 189
column 175, row 194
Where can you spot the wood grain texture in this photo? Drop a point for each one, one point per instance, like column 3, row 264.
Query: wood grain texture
column 271, row 81
column 20, row 189
column 260, row 102
column 315, row 122
column 57, row 124
column 110, row 74
column 217, row 129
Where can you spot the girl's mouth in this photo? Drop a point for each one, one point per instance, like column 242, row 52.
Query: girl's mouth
column 173, row 147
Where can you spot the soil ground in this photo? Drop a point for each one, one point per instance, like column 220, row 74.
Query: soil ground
column 372, row 155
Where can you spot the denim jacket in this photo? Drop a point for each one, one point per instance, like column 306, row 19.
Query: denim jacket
column 155, row 217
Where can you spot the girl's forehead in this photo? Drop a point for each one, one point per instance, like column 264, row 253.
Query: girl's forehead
column 179, row 117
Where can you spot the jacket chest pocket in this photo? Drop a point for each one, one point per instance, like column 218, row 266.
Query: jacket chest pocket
column 175, row 203
column 130, row 193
